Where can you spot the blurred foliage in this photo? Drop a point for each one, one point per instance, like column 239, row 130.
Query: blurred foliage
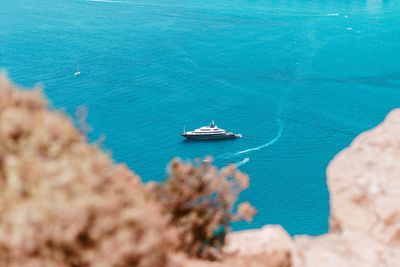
column 63, row 202
column 198, row 201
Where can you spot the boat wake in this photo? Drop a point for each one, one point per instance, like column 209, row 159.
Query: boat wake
column 269, row 143
column 242, row 162
column 332, row 15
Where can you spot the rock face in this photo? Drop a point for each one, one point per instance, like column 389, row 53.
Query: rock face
column 364, row 185
column 364, row 182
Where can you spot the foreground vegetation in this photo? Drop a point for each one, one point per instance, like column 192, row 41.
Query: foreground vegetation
column 63, row 202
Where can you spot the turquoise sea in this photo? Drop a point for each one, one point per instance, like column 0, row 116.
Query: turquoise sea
column 299, row 79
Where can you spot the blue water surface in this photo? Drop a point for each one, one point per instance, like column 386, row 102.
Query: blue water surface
column 299, row 79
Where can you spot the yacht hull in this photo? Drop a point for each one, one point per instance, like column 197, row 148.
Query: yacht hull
column 211, row 136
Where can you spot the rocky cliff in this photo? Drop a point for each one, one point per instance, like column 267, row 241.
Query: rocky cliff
column 364, row 186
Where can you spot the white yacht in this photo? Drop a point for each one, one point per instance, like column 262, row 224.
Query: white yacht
column 210, row 132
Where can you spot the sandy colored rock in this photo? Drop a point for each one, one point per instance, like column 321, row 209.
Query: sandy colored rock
column 270, row 246
column 364, row 183
column 269, row 239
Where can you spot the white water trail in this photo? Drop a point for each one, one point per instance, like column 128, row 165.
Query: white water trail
column 271, row 142
column 242, row 162
column 332, row 15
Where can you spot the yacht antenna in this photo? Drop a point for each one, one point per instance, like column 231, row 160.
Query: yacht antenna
column 184, row 129
column 212, row 125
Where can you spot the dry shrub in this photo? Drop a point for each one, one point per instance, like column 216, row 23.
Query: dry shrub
column 62, row 201
column 199, row 201
column 81, row 115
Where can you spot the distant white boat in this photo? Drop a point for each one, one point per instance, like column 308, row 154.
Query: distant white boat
column 77, row 72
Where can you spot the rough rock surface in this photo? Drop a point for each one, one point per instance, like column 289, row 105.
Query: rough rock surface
column 270, row 246
column 364, row 185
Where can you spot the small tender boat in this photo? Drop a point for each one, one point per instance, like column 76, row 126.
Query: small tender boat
column 211, row 132
column 77, row 72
